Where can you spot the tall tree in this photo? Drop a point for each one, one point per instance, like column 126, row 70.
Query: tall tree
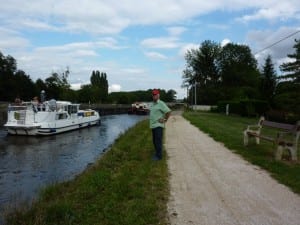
column 171, row 95
column 8, row 67
column 239, row 72
column 268, row 80
column 13, row 82
column 291, row 69
column 202, row 71
column 221, row 73
column 100, row 85
column 287, row 96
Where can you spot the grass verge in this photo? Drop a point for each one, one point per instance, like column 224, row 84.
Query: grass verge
column 124, row 187
column 229, row 130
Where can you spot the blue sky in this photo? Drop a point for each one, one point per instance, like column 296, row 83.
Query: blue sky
column 139, row 44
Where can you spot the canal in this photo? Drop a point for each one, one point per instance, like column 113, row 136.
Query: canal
column 28, row 164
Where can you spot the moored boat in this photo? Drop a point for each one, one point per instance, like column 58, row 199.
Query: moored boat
column 48, row 118
column 139, row 108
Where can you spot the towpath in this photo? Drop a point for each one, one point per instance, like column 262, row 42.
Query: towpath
column 210, row 185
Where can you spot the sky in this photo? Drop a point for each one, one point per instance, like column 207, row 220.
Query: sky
column 140, row 45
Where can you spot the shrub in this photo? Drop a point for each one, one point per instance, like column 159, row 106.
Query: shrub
column 247, row 107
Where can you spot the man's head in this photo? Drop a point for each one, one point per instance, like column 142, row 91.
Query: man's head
column 155, row 94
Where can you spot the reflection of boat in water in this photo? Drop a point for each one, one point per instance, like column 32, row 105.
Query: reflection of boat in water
column 48, row 118
column 139, row 108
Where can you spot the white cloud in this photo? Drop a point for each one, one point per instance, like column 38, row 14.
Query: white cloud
column 176, row 31
column 11, row 39
column 155, row 55
column 183, row 50
column 267, row 42
column 279, row 10
column 37, row 25
column 219, row 26
column 114, row 88
column 109, row 17
column 161, row 43
column 225, row 42
column 76, row 86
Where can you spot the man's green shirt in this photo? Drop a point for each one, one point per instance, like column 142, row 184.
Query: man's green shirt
column 157, row 111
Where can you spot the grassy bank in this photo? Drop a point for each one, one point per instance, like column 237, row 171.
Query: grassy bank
column 228, row 130
column 124, row 187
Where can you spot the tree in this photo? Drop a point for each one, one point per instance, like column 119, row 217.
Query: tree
column 57, row 84
column 100, row 85
column 287, row 98
column 221, row 73
column 140, row 96
column 171, row 95
column 287, row 95
column 24, row 86
column 8, row 66
column 202, row 70
column 292, row 69
column 239, row 73
column 202, row 64
column 87, row 94
column 40, row 85
column 13, row 82
column 268, row 80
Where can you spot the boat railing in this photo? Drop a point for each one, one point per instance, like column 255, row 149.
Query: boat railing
column 16, row 107
column 47, row 106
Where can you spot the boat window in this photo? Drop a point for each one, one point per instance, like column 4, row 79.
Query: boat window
column 89, row 113
column 61, row 116
column 72, row 109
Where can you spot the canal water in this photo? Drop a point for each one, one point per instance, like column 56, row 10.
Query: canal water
column 28, row 164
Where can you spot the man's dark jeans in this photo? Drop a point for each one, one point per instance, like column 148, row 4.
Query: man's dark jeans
column 157, row 134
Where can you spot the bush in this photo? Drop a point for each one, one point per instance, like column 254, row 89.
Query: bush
column 282, row 116
column 248, row 107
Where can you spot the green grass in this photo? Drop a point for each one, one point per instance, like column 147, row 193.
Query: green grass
column 124, row 187
column 229, row 130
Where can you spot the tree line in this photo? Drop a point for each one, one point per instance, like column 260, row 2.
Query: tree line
column 15, row 83
column 229, row 73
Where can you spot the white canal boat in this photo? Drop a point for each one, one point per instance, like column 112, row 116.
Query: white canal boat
column 48, row 118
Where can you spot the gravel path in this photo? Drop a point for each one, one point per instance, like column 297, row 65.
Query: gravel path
column 213, row 186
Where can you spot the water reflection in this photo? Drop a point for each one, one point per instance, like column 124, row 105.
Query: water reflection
column 29, row 163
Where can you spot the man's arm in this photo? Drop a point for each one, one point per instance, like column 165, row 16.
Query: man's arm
column 167, row 115
column 165, row 118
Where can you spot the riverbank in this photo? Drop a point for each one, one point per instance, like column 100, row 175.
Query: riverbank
column 123, row 187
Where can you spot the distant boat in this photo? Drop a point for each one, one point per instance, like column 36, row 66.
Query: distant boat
column 139, row 108
column 48, row 118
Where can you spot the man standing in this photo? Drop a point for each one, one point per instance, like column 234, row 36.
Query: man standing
column 159, row 114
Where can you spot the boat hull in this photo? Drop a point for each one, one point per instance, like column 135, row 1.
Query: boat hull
column 45, row 131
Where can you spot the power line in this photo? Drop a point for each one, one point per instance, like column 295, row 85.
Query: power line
column 290, row 35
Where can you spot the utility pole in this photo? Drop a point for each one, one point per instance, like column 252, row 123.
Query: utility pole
column 195, row 86
column 187, row 94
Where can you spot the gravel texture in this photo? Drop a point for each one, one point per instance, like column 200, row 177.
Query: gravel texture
column 211, row 185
